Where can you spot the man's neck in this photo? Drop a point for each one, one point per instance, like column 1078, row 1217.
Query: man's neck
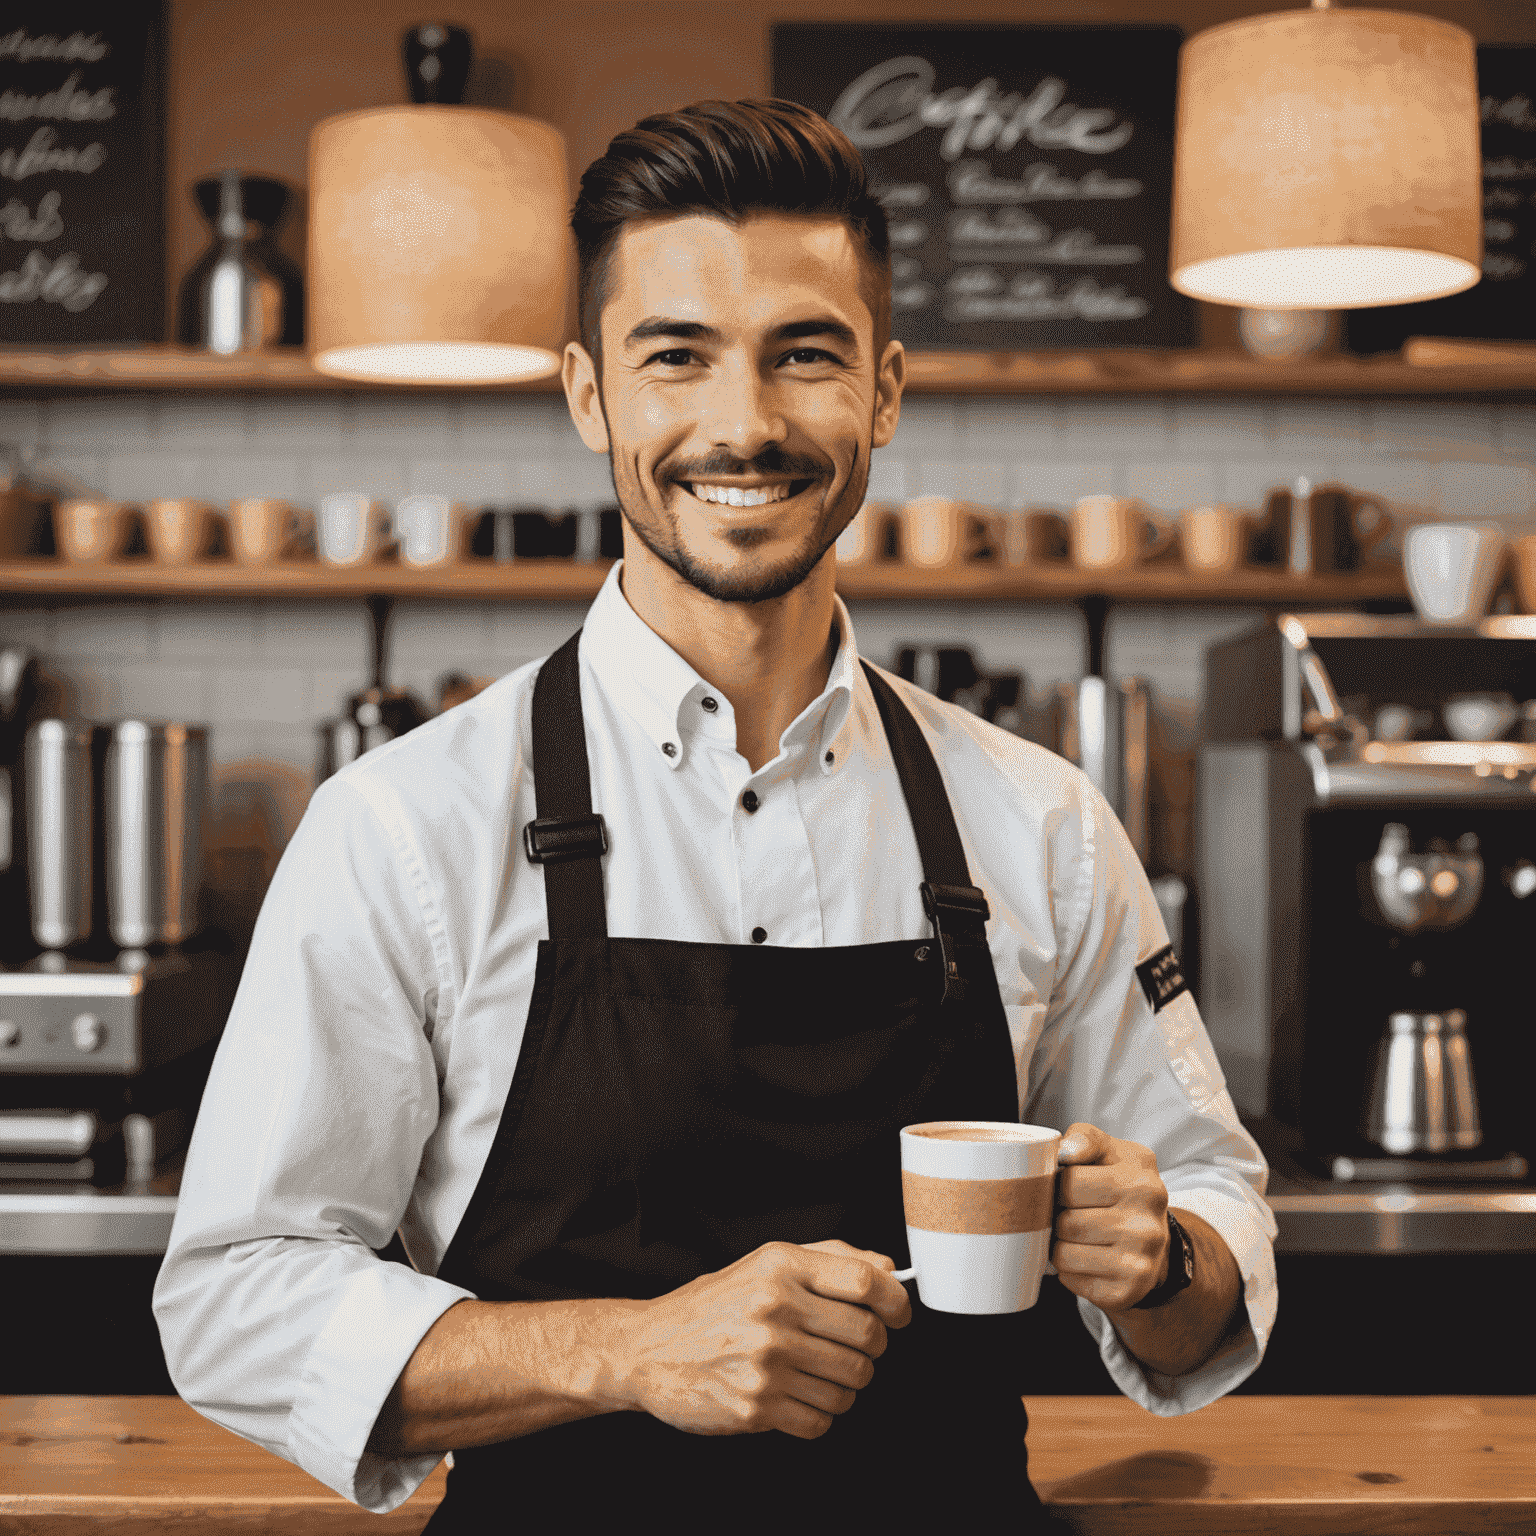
column 769, row 659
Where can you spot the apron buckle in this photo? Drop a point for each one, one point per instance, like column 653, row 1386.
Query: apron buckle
column 952, row 907
column 560, row 839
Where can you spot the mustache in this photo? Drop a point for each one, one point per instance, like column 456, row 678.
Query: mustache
column 771, row 461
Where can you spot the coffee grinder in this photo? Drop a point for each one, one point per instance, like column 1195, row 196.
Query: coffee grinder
column 1368, row 915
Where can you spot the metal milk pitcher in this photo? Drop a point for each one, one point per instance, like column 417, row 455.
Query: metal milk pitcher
column 1423, row 1097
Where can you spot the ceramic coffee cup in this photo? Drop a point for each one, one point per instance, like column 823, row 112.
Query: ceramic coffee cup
column 938, row 532
column 91, row 531
column 1114, row 533
column 1028, row 535
column 178, row 529
column 431, row 529
column 979, row 1197
column 351, row 528
column 264, row 529
column 1451, row 570
column 1214, row 539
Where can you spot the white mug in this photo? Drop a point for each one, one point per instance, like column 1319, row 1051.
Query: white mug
column 863, row 540
column 1451, row 570
column 430, row 529
column 350, row 528
column 979, row 1197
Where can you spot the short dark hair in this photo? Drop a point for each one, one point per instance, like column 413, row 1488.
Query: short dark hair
column 729, row 159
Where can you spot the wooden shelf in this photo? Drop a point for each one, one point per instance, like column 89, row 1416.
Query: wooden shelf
column 1193, row 372
column 568, row 581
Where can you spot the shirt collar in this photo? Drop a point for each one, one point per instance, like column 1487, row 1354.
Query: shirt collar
column 664, row 695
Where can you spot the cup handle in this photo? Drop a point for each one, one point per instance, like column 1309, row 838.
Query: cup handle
column 1369, row 538
column 301, row 526
column 904, row 1274
column 1160, row 530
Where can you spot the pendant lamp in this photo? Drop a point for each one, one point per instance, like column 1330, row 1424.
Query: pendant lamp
column 1327, row 159
column 438, row 248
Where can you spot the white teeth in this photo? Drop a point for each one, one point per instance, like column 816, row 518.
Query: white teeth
column 737, row 496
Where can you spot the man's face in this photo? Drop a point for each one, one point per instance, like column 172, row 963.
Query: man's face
column 740, row 397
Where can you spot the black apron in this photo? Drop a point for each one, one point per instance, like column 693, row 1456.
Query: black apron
column 677, row 1105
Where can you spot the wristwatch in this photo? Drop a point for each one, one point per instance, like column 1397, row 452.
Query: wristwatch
column 1181, row 1268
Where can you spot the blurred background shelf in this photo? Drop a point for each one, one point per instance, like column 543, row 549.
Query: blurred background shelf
column 1194, row 372
column 569, row 580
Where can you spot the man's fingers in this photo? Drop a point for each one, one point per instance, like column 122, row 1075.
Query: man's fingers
column 837, row 1245
column 845, row 1327
column 855, row 1279
column 824, row 1396
column 1088, row 1186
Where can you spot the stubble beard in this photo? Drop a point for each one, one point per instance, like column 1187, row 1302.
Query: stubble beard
column 751, row 586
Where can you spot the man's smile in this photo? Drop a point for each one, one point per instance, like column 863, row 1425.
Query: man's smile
column 734, row 493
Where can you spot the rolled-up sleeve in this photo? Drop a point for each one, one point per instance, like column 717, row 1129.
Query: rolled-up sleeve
column 278, row 1320
column 1106, row 1058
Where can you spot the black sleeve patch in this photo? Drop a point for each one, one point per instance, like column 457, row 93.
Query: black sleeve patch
column 1162, row 978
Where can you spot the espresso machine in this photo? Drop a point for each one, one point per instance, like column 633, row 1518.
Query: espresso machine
column 114, row 994
column 1368, row 886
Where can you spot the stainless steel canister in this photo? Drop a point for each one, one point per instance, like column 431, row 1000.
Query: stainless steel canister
column 60, row 844
column 1105, row 728
column 1423, row 1091
column 155, row 802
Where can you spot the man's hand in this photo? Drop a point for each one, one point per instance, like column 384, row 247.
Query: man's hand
column 1111, row 1243
column 781, row 1339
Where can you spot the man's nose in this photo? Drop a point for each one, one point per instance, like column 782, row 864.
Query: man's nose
column 743, row 414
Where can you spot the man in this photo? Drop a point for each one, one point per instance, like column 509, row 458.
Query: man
column 613, row 986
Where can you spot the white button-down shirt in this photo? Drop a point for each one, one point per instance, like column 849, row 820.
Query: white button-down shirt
column 364, row 1067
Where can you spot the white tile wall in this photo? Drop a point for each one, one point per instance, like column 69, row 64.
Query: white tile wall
column 262, row 673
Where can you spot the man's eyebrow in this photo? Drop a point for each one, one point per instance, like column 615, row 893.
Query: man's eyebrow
column 822, row 325
column 693, row 330
column 682, row 330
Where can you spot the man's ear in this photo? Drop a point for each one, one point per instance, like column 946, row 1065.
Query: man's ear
column 890, row 378
column 579, row 375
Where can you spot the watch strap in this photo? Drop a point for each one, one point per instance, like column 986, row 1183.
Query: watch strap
column 1181, row 1269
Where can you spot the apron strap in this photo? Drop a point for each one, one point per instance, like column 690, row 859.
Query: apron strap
column 565, row 836
column 953, row 904
column 569, row 840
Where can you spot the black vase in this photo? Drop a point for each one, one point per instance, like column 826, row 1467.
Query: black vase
column 243, row 293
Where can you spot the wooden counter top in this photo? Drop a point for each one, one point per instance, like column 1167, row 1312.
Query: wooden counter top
column 1288, row 1466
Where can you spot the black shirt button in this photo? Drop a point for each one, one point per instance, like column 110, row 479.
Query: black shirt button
column 759, row 935
column 831, row 756
column 749, row 801
column 710, row 704
column 670, row 748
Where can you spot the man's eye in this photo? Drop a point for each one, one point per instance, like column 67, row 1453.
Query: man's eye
column 802, row 355
column 675, row 357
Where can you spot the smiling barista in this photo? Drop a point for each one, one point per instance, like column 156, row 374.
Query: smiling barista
column 647, row 1167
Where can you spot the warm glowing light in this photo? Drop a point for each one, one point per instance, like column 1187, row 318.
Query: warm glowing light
column 1327, row 159
column 1326, row 277
column 438, row 362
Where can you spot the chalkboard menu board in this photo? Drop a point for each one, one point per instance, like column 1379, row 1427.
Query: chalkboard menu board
column 1503, row 305
column 82, row 199
column 1027, row 173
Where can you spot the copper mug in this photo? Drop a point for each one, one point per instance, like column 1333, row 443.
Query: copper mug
column 90, row 530
column 263, row 529
column 938, row 532
column 1214, row 539
column 178, row 529
column 1028, row 535
column 1114, row 533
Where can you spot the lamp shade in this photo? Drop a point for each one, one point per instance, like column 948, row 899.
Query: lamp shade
column 438, row 249
column 1327, row 159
